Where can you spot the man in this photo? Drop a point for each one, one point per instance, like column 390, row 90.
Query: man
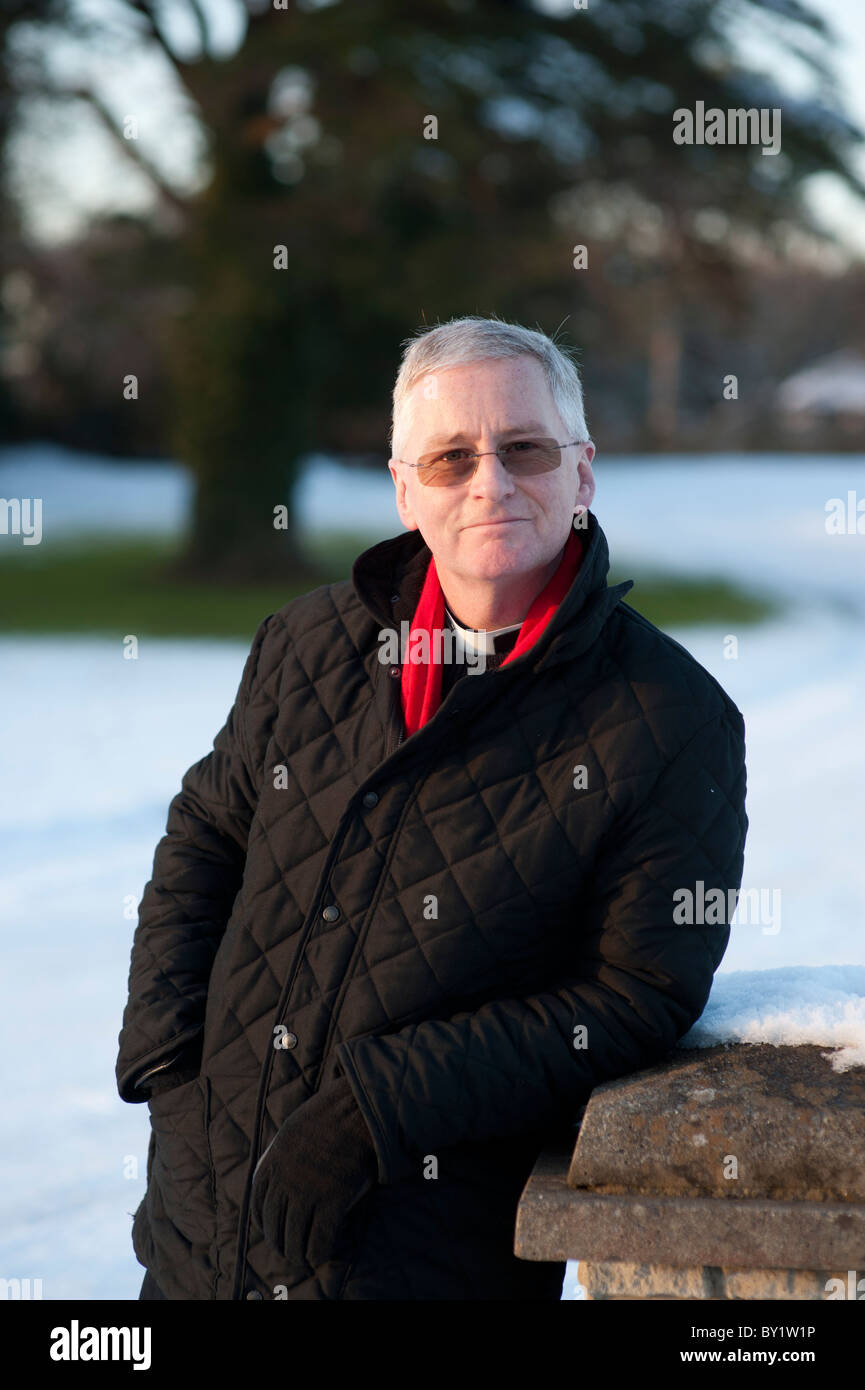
column 409, row 911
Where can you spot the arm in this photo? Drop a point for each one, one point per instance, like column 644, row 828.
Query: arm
column 638, row 981
column 197, row 871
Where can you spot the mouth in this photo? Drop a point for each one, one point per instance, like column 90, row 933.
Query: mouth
column 501, row 521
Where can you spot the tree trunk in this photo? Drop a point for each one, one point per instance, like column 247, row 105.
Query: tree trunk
column 664, row 352
column 232, row 536
column 243, row 416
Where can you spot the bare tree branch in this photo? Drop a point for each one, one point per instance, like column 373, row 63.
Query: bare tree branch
column 130, row 148
column 198, row 15
column 145, row 8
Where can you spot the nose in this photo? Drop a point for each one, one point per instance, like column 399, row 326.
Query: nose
column 491, row 478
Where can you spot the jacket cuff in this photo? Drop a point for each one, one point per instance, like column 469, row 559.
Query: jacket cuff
column 394, row 1164
column 183, row 1054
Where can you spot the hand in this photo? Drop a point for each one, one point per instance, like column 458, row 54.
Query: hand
column 316, row 1170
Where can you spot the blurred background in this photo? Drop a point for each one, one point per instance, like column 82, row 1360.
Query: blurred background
column 220, row 222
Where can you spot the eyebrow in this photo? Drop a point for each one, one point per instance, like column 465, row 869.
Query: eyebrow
column 439, row 441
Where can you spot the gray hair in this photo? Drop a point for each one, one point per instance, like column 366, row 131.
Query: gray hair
column 475, row 339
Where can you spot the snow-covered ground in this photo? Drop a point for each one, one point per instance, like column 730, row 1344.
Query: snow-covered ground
column 94, row 746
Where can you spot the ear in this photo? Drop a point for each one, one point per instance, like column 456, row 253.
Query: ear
column 403, row 506
column 586, row 490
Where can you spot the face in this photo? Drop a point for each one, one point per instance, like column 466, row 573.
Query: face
column 495, row 523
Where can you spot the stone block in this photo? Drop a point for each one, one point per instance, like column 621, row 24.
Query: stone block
column 750, row 1120
column 733, row 1172
column 620, row 1280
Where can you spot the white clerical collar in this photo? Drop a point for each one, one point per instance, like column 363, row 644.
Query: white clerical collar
column 480, row 639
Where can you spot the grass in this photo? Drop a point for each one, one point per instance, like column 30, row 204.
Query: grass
column 674, row 602
column 118, row 588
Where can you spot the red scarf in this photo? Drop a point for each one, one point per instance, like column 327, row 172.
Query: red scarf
column 422, row 681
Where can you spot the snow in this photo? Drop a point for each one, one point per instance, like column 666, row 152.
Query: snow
column 832, row 383
column 84, row 807
column 86, row 494
column 791, row 1004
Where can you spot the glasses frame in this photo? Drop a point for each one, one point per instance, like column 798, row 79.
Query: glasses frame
column 484, row 454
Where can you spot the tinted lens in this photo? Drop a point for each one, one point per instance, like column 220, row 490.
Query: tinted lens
column 445, row 470
column 526, row 456
column 522, row 457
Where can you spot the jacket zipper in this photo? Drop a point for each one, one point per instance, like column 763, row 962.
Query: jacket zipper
column 395, row 726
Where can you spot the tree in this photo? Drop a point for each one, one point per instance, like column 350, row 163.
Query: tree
column 421, row 161
column 11, row 236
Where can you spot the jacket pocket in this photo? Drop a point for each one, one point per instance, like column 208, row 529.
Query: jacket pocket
column 169, row 1100
column 176, row 1068
column 180, row 1175
column 147, row 1076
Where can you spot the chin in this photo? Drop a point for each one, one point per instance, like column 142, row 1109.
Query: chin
column 495, row 555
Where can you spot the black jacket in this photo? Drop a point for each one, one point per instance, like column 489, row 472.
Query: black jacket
column 453, row 920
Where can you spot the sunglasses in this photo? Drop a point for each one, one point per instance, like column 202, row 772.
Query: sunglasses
column 521, row 457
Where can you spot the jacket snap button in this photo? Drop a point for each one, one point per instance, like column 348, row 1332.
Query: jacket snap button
column 253, row 1293
column 330, row 913
column 394, row 672
column 370, row 800
column 289, row 1040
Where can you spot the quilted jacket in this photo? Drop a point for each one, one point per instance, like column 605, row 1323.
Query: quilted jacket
column 474, row 925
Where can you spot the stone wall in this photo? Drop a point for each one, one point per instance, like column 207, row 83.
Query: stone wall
column 733, row 1172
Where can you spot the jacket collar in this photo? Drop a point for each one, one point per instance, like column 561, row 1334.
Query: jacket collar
column 388, row 579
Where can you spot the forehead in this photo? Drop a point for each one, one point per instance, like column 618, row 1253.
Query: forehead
column 494, row 393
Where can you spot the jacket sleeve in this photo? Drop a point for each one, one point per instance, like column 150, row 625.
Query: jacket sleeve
column 636, row 983
column 197, row 872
